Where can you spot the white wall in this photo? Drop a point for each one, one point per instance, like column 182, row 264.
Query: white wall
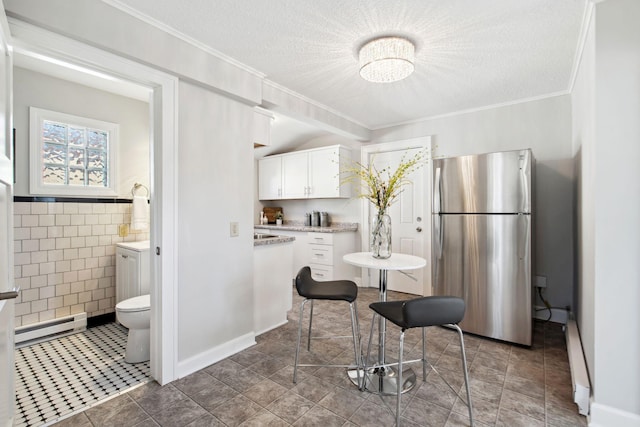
column 606, row 95
column 33, row 89
column 583, row 123
column 545, row 127
column 215, row 271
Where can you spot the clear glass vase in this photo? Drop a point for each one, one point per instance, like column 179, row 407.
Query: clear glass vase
column 381, row 236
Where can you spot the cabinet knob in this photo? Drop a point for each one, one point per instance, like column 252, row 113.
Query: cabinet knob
column 419, row 229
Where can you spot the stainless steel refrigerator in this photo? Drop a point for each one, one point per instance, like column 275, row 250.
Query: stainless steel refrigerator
column 483, row 240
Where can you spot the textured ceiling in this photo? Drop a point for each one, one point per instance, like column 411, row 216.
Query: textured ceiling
column 470, row 54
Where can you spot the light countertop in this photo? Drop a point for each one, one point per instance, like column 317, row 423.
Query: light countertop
column 273, row 240
column 337, row 227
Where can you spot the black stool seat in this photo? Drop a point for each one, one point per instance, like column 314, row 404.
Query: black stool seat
column 332, row 290
column 421, row 312
column 335, row 290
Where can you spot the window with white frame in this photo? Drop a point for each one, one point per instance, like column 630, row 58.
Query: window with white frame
column 71, row 155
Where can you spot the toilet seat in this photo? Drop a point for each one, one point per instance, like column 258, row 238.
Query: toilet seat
column 141, row 303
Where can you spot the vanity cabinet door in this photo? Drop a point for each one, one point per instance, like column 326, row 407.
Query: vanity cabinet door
column 127, row 274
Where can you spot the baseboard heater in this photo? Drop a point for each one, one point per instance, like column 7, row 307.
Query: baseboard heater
column 579, row 374
column 44, row 331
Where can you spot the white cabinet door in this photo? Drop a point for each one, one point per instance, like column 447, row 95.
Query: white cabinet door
column 324, row 173
column 270, row 178
column 324, row 168
column 127, row 274
column 295, row 176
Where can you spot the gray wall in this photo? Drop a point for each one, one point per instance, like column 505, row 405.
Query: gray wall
column 33, row 89
column 606, row 135
column 545, row 127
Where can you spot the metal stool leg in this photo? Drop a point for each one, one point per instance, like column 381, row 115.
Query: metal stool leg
column 310, row 321
column 399, row 397
column 424, row 355
column 366, row 359
column 466, row 375
column 356, row 339
column 295, row 365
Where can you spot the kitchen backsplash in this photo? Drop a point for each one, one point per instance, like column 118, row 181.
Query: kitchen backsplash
column 64, row 258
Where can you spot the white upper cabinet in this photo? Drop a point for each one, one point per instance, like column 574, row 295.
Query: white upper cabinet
column 307, row 174
column 270, row 178
column 295, row 176
column 261, row 130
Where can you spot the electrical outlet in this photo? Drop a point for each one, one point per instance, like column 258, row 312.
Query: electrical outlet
column 123, row 230
column 541, row 281
column 234, row 229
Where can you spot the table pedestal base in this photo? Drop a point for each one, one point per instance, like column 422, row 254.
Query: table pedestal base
column 385, row 380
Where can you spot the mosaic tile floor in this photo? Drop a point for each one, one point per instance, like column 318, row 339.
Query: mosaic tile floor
column 69, row 374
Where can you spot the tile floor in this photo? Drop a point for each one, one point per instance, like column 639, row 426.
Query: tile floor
column 58, row 377
column 510, row 385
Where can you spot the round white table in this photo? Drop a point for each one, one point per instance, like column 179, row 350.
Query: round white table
column 378, row 378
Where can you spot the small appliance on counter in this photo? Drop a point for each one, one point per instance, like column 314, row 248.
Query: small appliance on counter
column 315, row 219
column 324, row 219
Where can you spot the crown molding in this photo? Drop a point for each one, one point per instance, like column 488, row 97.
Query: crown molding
column 582, row 41
column 476, row 110
column 313, row 102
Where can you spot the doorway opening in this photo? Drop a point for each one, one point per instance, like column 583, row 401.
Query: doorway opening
column 161, row 89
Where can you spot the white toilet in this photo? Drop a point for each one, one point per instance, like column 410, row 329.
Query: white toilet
column 133, row 302
column 135, row 314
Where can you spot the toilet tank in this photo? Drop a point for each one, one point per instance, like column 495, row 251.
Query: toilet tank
column 132, row 270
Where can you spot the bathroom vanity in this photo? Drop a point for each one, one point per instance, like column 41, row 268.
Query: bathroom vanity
column 132, row 269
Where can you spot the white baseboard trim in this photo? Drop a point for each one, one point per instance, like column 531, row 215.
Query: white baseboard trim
column 578, row 364
column 213, row 355
column 606, row 416
column 558, row 315
column 272, row 327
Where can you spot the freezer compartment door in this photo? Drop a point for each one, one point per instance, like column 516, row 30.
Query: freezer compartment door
column 486, row 260
column 486, row 183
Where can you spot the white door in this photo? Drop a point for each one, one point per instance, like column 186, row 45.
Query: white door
column 7, row 388
column 409, row 222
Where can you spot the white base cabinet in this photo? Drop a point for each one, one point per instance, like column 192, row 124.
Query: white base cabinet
column 272, row 298
column 323, row 253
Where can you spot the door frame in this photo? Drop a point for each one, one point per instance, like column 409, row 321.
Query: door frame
column 405, row 144
column 164, row 189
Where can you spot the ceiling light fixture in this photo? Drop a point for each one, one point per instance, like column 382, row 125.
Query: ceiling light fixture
column 386, row 60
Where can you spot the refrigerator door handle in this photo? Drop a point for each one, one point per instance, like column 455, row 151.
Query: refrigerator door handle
column 437, row 202
column 437, row 223
column 523, row 250
column 524, row 166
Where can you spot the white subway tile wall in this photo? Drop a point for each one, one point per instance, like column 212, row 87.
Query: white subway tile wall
column 64, row 258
